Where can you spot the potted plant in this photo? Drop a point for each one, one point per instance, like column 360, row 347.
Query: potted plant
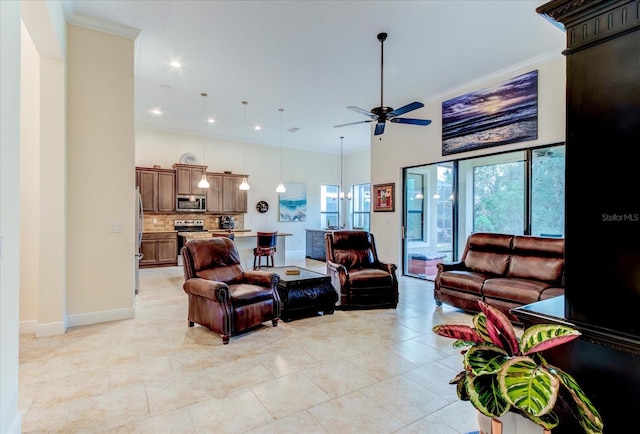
column 503, row 373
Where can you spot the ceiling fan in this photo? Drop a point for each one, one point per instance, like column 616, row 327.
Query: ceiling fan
column 383, row 114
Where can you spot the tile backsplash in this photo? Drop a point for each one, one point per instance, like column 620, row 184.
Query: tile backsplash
column 164, row 222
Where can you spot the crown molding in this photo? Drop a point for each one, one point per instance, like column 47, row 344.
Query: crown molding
column 103, row 26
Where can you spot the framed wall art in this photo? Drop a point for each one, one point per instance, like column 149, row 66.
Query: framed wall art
column 384, row 197
column 504, row 113
column 293, row 203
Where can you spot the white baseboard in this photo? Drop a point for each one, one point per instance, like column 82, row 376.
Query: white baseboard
column 28, row 327
column 99, row 317
column 50, row 329
column 59, row 328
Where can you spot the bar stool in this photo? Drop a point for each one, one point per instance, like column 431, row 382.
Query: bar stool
column 266, row 248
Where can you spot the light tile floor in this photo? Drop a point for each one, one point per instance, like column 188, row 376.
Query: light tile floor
column 368, row 371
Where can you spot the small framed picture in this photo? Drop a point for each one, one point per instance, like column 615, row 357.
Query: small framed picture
column 384, row 197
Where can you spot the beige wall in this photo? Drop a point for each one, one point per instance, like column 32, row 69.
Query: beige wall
column 29, row 182
column 408, row 145
column 100, row 177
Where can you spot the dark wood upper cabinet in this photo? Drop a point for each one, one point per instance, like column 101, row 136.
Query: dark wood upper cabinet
column 157, row 189
column 214, row 193
column 234, row 200
column 187, row 178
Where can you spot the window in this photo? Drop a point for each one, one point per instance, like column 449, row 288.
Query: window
column 361, row 206
column 547, row 192
column 329, row 206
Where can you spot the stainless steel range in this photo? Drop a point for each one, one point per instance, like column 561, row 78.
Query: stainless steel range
column 188, row 225
column 195, row 225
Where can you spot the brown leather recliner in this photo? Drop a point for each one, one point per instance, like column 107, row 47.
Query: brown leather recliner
column 222, row 296
column 361, row 279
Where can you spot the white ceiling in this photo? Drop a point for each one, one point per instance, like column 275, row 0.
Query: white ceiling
column 313, row 58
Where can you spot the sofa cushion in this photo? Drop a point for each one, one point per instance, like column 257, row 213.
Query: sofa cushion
column 352, row 249
column 537, row 259
column 522, row 291
column 244, row 294
column 465, row 281
column 370, row 278
column 488, row 253
column 216, row 259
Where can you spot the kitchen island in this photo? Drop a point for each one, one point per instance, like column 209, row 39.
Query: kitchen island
column 245, row 242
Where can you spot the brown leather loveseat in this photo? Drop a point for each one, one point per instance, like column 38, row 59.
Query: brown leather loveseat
column 505, row 271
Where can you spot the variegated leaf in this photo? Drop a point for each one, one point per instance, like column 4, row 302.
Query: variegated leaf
column 500, row 329
column 528, row 386
column 588, row 416
column 541, row 337
column 485, row 396
column 547, row 421
column 462, row 332
column 485, row 359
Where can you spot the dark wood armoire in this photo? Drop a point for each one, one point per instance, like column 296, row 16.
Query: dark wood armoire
column 602, row 226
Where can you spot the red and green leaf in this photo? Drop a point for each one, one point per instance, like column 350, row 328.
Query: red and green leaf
column 461, row 332
column 541, row 337
column 500, row 329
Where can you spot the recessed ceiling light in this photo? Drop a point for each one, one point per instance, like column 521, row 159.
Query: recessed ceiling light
column 176, row 64
column 211, row 120
column 257, row 128
column 293, row 129
column 156, row 111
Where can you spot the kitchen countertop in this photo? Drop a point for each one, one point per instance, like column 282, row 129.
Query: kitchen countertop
column 197, row 235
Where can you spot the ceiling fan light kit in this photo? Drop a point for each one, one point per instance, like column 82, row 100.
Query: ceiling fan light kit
column 383, row 113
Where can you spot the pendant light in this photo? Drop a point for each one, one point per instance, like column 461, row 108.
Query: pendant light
column 280, row 188
column 341, row 194
column 245, row 184
column 203, row 181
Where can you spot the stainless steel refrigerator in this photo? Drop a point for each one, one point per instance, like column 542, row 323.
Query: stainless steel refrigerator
column 139, row 229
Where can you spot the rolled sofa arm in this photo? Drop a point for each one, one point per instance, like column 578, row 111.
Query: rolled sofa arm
column 451, row 266
column 216, row 291
column 338, row 274
column 262, row 278
column 388, row 267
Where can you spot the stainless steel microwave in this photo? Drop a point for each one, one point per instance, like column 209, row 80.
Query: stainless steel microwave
column 191, row 203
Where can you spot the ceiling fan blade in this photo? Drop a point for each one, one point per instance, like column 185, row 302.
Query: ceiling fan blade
column 363, row 111
column 353, row 123
column 411, row 121
column 404, row 109
column 379, row 129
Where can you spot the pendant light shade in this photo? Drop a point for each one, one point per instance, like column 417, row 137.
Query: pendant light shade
column 244, row 185
column 281, row 188
column 203, row 182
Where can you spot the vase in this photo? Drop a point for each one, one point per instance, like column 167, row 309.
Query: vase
column 510, row 423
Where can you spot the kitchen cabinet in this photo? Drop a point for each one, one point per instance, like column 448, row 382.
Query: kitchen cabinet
column 214, row 193
column 159, row 249
column 187, row 178
column 315, row 245
column 234, row 200
column 157, row 189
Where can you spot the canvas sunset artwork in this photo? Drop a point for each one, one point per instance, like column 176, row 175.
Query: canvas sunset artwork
column 498, row 115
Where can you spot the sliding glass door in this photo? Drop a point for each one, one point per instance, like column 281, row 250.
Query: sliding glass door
column 520, row 192
column 428, row 218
